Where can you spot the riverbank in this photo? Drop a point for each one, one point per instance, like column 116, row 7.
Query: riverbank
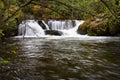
column 97, row 27
column 100, row 27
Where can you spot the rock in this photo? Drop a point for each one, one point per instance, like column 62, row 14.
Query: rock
column 82, row 29
column 82, row 32
column 41, row 24
column 53, row 32
column 97, row 27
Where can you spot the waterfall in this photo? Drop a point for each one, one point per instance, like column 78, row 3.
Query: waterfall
column 60, row 25
column 33, row 28
column 47, row 27
column 73, row 31
column 30, row 28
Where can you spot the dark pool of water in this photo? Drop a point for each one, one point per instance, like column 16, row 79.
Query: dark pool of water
column 60, row 59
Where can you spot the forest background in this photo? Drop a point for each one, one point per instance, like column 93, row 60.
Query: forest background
column 102, row 17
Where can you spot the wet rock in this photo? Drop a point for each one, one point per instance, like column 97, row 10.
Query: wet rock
column 53, row 32
column 41, row 24
column 81, row 32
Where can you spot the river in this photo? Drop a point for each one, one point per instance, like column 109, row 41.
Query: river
column 61, row 58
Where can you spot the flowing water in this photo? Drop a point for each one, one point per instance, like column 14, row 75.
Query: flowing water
column 61, row 58
column 31, row 28
column 70, row 56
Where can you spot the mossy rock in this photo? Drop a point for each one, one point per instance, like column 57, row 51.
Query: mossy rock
column 97, row 27
column 53, row 32
column 114, row 27
column 10, row 32
column 82, row 29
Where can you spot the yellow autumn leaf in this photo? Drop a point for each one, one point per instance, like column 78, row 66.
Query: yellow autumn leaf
column 1, row 33
column 13, row 52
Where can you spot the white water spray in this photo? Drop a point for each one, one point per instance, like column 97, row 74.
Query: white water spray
column 47, row 27
column 73, row 31
column 60, row 24
column 31, row 28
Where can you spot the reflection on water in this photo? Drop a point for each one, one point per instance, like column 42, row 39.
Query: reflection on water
column 61, row 59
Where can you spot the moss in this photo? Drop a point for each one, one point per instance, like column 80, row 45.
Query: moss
column 114, row 27
column 84, row 27
column 98, row 27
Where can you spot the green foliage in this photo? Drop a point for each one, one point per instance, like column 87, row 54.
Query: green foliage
column 10, row 28
column 1, row 33
column 60, row 9
column 9, row 25
column 1, row 6
column 3, row 61
column 114, row 26
column 101, row 26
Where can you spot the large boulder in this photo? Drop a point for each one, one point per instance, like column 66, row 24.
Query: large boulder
column 95, row 28
column 82, row 29
column 53, row 32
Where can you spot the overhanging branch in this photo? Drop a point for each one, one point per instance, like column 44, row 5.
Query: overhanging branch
column 69, row 6
column 45, row 6
column 26, row 4
column 111, row 11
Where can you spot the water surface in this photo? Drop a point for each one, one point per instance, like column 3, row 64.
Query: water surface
column 65, row 58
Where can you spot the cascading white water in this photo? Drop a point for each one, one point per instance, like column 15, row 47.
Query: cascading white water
column 47, row 27
column 60, row 24
column 31, row 28
column 73, row 31
column 67, row 27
